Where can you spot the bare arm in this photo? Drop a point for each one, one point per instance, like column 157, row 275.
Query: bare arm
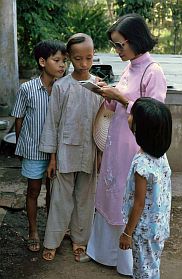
column 51, row 170
column 18, row 126
column 138, row 206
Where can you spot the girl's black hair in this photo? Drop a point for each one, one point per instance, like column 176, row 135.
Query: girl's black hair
column 134, row 29
column 152, row 126
column 77, row 39
column 47, row 48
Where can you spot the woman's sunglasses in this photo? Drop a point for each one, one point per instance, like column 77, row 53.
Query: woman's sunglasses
column 118, row 45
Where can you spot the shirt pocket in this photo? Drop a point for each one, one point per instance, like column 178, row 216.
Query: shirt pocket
column 73, row 134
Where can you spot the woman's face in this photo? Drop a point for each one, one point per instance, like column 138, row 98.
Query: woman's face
column 122, row 47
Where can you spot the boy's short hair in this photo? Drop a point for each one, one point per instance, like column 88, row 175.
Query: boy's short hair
column 77, row 39
column 152, row 126
column 47, row 48
column 134, row 29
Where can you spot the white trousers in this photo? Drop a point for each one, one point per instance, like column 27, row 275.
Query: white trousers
column 72, row 204
column 103, row 246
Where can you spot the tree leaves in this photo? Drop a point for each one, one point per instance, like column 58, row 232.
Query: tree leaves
column 58, row 19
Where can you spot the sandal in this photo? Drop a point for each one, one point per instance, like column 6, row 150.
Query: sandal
column 48, row 254
column 33, row 245
column 79, row 252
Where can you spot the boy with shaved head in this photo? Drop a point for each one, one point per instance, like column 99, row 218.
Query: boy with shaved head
column 67, row 135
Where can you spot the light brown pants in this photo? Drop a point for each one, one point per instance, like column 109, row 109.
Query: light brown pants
column 72, row 204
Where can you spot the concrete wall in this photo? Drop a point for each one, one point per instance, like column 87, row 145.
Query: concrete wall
column 8, row 56
column 174, row 102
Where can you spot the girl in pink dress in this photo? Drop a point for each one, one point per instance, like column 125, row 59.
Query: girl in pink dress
column 132, row 40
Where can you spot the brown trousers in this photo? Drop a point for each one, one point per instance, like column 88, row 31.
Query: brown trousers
column 72, row 204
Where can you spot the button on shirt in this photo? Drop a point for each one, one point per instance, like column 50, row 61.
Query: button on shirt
column 31, row 104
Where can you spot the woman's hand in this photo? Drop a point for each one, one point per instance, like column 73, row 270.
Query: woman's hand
column 101, row 83
column 111, row 93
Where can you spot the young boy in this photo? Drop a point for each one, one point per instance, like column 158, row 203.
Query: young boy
column 67, row 135
column 30, row 110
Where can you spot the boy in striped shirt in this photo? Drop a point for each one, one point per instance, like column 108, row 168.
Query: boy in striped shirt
column 30, row 111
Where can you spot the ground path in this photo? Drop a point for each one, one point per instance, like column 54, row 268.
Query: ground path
column 17, row 262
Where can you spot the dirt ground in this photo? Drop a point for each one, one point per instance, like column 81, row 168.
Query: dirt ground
column 17, row 262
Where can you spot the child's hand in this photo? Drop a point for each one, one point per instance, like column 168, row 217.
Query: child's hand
column 51, row 170
column 125, row 242
column 19, row 157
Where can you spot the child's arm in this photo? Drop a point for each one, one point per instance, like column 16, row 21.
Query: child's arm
column 139, row 203
column 51, row 170
column 18, row 126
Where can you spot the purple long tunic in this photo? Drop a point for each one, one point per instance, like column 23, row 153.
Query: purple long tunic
column 121, row 145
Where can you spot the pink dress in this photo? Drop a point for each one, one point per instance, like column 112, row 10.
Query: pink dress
column 121, row 145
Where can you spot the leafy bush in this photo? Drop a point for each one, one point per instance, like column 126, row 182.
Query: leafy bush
column 91, row 20
column 36, row 20
column 57, row 19
column 142, row 7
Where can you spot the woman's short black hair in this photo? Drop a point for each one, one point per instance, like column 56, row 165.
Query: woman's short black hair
column 134, row 29
column 46, row 48
column 152, row 126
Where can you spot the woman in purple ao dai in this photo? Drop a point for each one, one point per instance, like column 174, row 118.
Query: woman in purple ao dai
column 132, row 40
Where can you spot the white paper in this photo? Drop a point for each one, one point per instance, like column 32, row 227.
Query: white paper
column 90, row 86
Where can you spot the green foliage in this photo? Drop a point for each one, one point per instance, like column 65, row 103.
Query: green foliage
column 166, row 24
column 57, row 19
column 142, row 7
column 36, row 20
column 91, row 20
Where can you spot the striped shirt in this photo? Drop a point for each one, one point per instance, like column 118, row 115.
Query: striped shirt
column 31, row 104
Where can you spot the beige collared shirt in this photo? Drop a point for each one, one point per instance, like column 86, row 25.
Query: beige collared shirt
column 69, row 124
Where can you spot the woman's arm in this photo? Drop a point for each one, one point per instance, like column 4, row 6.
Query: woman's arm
column 138, row 206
